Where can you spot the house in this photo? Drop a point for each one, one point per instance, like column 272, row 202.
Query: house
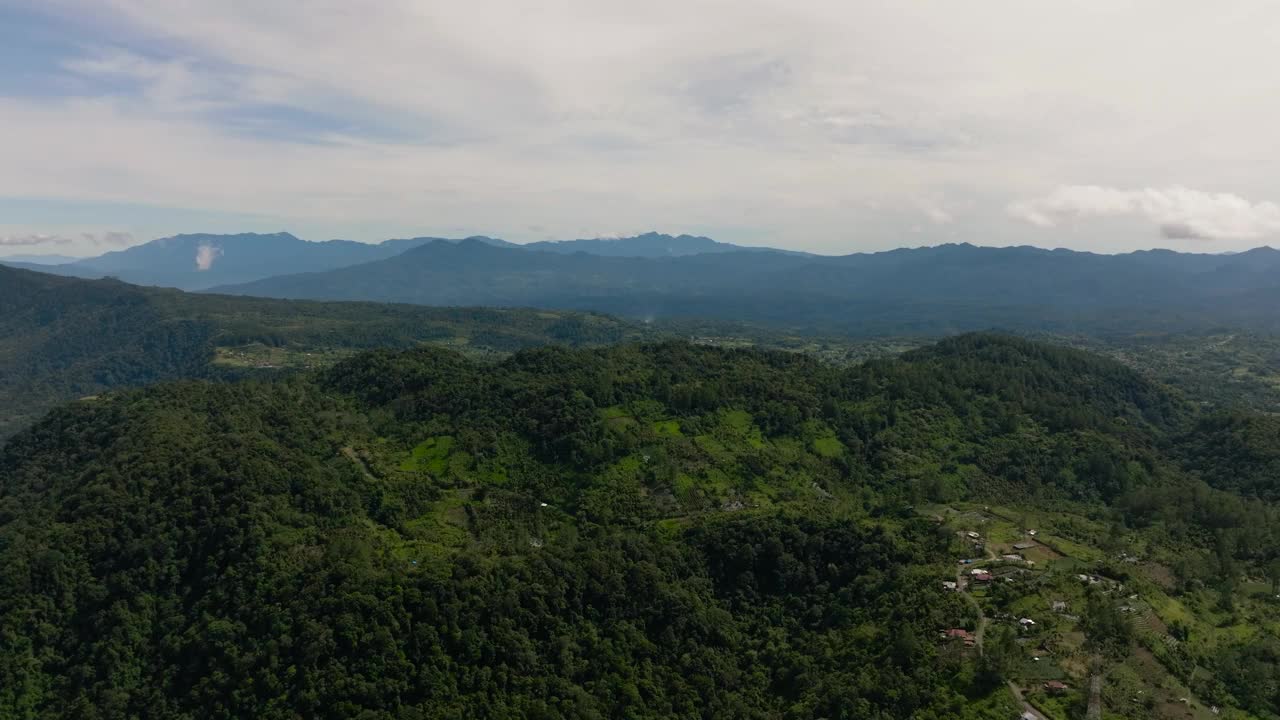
column 1055, row 687
column 1032, row 533
column 1027, row 622
column 948, row 585
column 961, row 634
column 1059, row 606
column 984, row 577
column 1012, row 558
column 1023, row 545
column 979, row 571
column 973, row 535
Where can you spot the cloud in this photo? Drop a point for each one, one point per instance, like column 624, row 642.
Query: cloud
column 116, row 239
column 107, row 239
column 938, row 214
column 791, row 121
column 205, row 255
column 34, row 240
column 1180, row 213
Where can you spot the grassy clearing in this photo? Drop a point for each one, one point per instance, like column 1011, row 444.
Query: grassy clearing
column 667, row 428
column 431, row 455
column 828, row 447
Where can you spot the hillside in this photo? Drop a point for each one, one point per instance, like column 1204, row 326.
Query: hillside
column 927, row 291
column 65, row 338
column 645, row 531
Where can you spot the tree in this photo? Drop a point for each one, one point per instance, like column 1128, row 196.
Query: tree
column 1000, row 654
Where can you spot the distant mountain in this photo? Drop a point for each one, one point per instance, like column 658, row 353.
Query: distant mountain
column 37, row 259
column 650, row 245
column 444, row 273
column 193, row 262
column 950, row 288
column 202, row 261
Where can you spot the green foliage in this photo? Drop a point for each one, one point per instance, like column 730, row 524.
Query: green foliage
column 66, row 338
column 640, row 531
column 431, row 455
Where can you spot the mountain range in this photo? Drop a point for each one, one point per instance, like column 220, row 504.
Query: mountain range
column 934, row 290
column 200, row 261
column 197, row 261
column 920, row 291
column 650, row 245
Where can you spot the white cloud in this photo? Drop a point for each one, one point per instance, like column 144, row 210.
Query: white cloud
column 205, row 255
column 813, row 125
column 936, row 212
column 1179, row 213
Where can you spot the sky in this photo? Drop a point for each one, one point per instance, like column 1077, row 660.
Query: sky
column 832, row 126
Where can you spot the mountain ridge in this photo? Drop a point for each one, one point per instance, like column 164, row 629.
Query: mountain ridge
column 946, row 288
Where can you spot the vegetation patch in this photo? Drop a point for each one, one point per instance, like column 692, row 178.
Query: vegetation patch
column 431, row 455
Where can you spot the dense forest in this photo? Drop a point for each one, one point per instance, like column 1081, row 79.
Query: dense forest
column 643, row 531
column 66, row 338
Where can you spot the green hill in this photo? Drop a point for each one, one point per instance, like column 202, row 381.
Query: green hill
column 644, row 531
column 66, row 338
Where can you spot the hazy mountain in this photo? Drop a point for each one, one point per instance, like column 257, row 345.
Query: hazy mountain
column 650, row 245
column 923, row 290
column 200, row 261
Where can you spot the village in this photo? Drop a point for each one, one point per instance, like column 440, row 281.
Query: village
column 1037, row 587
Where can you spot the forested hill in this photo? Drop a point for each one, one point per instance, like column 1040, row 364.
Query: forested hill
column 65, row 338
column 647, row 531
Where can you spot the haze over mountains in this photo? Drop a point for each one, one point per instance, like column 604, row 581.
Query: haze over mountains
column 200, row 261
column 950, row 288
column 932, row 290
column 197, row 261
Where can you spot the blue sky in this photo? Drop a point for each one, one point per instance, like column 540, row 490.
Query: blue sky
column 831, row 126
